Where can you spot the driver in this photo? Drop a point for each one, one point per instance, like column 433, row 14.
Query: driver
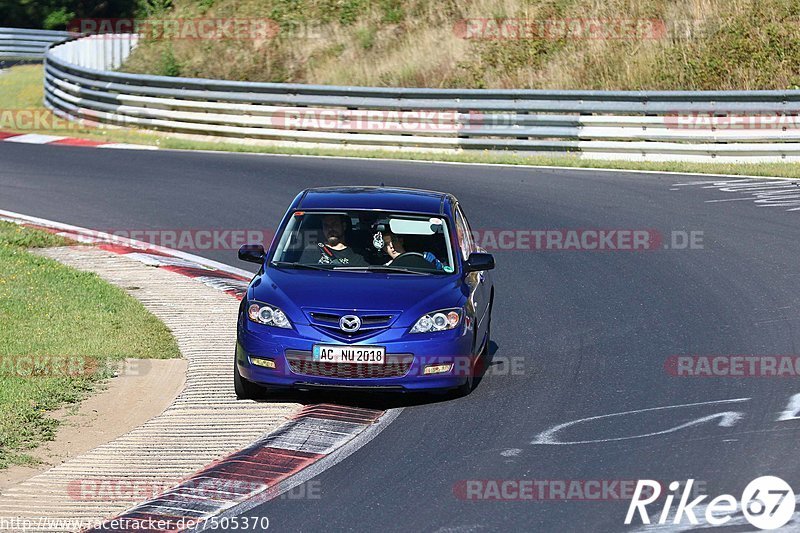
column 334, row 251
column 393, row 246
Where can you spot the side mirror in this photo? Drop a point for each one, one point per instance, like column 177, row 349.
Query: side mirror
column 254, row 253
column 479, row 261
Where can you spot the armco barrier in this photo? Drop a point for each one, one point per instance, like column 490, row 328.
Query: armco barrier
column 27, row 45
column 80, row 83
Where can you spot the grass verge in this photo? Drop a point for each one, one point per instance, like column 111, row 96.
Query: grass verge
column 21, row 89
column 53, row 320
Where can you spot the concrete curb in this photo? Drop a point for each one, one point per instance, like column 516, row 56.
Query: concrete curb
column 37, row 138
column 251, row 476
column 204, row 422
column 262, row 458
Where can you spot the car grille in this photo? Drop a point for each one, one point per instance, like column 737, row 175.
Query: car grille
column 301, row 362
column 371, row 323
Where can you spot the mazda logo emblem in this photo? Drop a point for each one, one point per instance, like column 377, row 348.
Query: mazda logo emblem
column 349, row 323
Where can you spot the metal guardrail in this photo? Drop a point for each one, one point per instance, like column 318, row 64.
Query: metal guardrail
column 28, row 45
column 643, row 125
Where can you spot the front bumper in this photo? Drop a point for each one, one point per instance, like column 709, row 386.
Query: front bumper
column 419, row 350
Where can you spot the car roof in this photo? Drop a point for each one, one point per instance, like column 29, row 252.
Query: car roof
column 378, row 198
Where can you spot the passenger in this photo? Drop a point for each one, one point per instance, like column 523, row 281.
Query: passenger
column 393, row 246
column 334, row 251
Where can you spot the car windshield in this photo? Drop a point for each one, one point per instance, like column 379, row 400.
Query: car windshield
column 368, row 241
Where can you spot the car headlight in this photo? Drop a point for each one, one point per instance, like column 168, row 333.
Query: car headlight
column 269, row 315
column 441, row 320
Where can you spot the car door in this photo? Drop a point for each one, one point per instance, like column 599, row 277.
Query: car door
column 476, row 281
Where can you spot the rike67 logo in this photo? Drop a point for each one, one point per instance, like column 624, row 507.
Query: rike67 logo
column 767, row 502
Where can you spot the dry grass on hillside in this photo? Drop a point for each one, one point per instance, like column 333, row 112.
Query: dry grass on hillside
column 708, row 44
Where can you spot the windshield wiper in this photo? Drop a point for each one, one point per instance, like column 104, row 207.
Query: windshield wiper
column 383, row 268
column 289, row 264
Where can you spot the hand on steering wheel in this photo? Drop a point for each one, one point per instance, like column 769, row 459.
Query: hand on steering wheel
column 411, row 259
column 409, row 253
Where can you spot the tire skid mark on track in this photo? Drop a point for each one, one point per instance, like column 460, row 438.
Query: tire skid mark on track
column 259, row 472
column 763, row 192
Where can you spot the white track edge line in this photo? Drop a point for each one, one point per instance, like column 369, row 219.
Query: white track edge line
column 479, row 164
column 124, row 146
column 131, row 242
column 148, row 147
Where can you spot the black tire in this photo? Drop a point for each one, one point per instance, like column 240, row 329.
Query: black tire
column 466, row 388
column 481, row 358
column 485, row 351
column 245, row 390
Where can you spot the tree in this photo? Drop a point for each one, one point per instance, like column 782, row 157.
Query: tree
column 56, row 14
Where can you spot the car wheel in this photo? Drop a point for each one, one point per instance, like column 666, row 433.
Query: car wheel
column 480, row 360
column 485, row 351
column 465, row 388
column 245, row 390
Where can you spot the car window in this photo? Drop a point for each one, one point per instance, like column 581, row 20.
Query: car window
column 464, row 235
column 358, row 238
column 473, row 246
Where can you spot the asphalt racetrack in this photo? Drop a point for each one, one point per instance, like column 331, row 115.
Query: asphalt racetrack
column 577, row 334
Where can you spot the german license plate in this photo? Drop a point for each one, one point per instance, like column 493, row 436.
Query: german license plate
column 334, row 353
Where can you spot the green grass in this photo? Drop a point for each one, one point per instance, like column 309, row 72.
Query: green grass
column 49, row 312
column 785, row 170
column 22, row 87
column 22, row 91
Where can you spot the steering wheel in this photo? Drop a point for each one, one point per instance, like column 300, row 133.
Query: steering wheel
column 411, row 260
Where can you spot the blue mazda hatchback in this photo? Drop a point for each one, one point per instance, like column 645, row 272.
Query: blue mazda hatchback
column 366, row 288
